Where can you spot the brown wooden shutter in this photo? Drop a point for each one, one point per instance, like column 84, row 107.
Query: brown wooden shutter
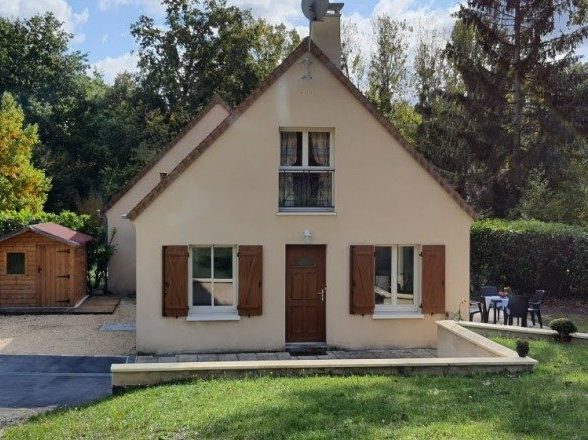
column 433, row 287
column 250, row 280
column 362, row 280
column 175, row 281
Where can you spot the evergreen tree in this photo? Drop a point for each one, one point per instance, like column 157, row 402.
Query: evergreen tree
column 507, row 53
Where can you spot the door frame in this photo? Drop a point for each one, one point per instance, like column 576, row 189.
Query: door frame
column 323, row 247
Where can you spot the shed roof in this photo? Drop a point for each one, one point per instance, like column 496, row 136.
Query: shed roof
column 54, row 231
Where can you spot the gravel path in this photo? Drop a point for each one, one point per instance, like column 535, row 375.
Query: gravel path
column 76, row 335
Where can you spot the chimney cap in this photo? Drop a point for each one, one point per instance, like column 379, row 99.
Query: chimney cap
column 336, row 8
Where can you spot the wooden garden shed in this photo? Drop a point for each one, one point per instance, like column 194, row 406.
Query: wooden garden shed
column 43, row 265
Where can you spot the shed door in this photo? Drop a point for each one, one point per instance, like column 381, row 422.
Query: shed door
column 54, row 275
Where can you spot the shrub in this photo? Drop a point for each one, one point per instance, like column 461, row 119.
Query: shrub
column 564, row 328
column 530, row 255
column 522, row 348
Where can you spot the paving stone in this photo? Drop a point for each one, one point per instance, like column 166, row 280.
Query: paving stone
column 327, row 355
column 383, row 354
column 145, row 359
column 340, row 354
column 227, row 357
column 359, row 354
column 207, row 357
column 188, row 358
column 307, row 358
column 247, row 356
column 284, row 356
column 166, row 359
column 266, row 356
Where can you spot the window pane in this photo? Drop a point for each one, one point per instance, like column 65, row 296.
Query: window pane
column 383, row 287
column 201, row 293
column 15, row 263
column 223, row 263
column 223, row 294
column 291, row 148
column 201, row 262
column 319, row 149
column 405, row 275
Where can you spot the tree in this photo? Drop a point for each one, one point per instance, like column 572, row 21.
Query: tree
column 507, row 53
column 206, row 48
column 387, row 70
column 22, row 186
column 50, row 83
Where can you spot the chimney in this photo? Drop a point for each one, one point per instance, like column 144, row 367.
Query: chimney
column 327, row 33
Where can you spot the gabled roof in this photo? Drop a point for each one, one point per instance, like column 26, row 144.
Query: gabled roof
column 216, row 100
column 273, row 77
column 55, row 232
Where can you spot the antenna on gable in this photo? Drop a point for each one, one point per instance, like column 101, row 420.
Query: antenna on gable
column 314, row 10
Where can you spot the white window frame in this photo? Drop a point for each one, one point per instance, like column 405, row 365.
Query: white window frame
column 305, row 166
column 417, row 282
column 212, row 312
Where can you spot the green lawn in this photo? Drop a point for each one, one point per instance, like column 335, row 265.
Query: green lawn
column 550, row 403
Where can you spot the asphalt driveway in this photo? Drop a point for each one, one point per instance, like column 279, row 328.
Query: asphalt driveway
column 33, row 384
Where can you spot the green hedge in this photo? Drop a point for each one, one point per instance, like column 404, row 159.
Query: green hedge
column 530, row 255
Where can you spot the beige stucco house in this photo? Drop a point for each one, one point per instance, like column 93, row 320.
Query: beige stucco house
column 302, row 218
column 122, row 266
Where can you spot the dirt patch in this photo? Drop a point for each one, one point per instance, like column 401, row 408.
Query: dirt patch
column 68, row 334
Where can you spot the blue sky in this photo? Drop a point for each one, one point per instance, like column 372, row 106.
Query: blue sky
column 101, row 27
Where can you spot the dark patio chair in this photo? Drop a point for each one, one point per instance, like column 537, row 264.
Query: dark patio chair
column 486, row 291
column 518, row 307
column 475, row 308
column 535, row 306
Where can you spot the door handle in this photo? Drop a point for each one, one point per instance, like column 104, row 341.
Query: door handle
column 322, row 294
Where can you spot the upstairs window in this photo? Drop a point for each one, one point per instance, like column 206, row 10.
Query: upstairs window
column 306, row 170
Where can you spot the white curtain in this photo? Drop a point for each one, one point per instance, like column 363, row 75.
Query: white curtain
column 290, row 150
column 319, row 149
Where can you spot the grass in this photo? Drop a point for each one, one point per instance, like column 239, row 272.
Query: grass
column 550, row 403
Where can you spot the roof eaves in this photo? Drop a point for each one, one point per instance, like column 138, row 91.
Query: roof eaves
column 216, row 100
column 219, row 130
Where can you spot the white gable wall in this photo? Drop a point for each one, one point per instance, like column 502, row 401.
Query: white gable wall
column 122, row 269
column 230, row 196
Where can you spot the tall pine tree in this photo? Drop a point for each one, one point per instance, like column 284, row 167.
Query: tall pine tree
column 507, row 53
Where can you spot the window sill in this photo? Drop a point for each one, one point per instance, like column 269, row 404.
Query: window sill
column 311, row 213
column 203, row 317
column 397, row 315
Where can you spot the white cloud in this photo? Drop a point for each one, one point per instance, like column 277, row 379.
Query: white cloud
column 72, row 21
column 150, row 6
column 112, row 66
column 275, row 11
column 104, row 39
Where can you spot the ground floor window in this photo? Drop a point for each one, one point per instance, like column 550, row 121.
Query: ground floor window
column 397, row 278
column 213, row 278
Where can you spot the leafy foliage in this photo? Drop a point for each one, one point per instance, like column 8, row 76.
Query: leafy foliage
column 22, row 186
column 522, row 348
column 564, row 328
column 530, row 255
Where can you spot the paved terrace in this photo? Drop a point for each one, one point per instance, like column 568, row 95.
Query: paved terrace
column 284, row 356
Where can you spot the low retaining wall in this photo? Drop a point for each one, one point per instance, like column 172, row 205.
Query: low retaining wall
column 461, row 351
column 497, row 330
